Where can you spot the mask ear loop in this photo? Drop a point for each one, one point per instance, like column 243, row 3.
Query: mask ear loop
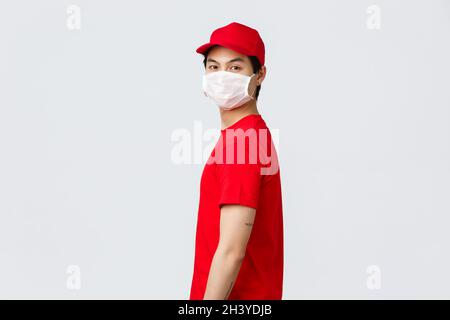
column 248, row 84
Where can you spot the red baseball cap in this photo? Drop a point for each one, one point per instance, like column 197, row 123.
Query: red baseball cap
column 237, row 37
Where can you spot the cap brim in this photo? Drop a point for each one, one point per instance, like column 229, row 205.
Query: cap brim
column 203, row 48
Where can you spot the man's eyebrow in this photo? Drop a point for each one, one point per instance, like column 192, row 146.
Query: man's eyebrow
column 211, row 60
column 236, row 59
column 232, row 60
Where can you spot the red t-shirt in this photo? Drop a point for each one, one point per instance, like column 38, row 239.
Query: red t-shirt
column 247, row 174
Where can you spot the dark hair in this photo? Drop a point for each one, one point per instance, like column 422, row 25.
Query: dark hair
column 256, row 65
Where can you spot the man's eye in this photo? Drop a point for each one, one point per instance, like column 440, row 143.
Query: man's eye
column 236, row 68
column 212, row 67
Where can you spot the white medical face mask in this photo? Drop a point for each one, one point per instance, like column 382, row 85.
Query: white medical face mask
column 228, row 90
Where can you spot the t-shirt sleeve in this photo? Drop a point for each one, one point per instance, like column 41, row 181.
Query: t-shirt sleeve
column 239, row 184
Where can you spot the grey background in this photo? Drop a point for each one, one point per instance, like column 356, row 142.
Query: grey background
column 86, row 117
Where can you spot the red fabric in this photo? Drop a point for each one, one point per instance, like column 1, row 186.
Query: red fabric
column 237, row 37
column 242, row 182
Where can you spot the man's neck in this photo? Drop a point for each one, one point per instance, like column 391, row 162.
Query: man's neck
column 228, row 117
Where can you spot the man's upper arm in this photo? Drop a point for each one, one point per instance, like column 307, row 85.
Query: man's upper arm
column 236, row 222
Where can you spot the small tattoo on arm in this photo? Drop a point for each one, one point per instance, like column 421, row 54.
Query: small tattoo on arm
column 248, row 224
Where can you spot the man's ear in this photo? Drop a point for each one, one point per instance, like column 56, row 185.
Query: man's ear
column 261, row 75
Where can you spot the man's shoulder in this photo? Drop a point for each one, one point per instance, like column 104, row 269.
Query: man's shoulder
column 250, row 127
